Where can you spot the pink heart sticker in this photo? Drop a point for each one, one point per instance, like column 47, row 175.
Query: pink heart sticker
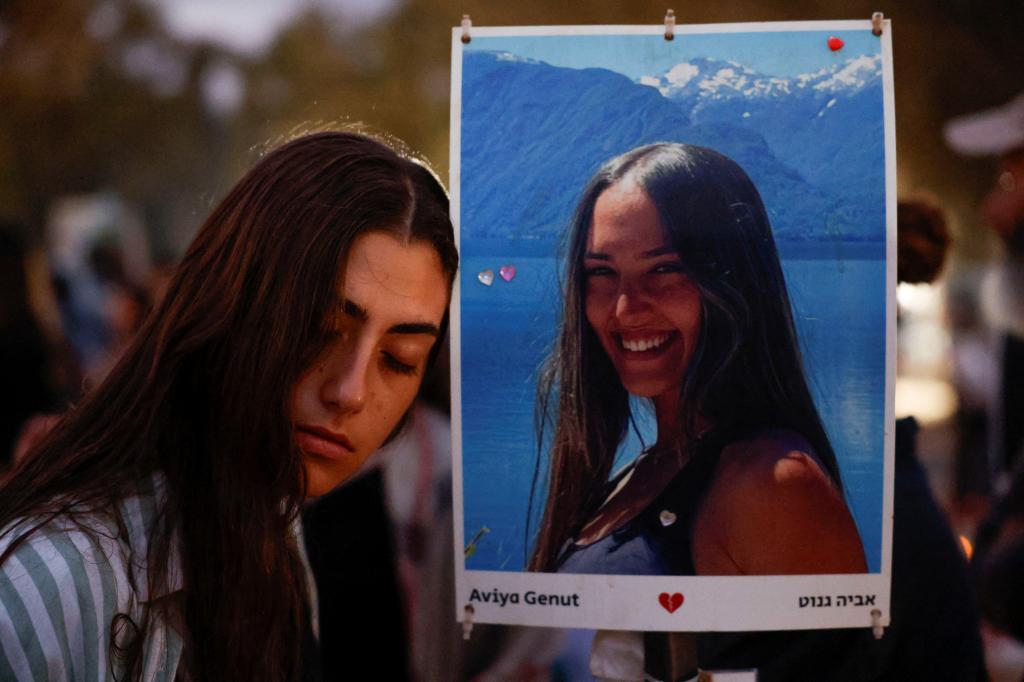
column 670, row 602
column 507, row 272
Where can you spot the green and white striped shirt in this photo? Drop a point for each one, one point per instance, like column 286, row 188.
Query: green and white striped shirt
column 61, row 589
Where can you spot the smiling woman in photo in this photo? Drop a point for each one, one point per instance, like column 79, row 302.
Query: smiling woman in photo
column 153, row 534
column 674, row 293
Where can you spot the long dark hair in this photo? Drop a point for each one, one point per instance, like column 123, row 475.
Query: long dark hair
column 745, row 374
column 203, row 395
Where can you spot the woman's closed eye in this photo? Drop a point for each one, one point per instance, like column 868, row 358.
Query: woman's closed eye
column 399, row 366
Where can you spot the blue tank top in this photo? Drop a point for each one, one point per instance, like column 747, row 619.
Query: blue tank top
column 657, row 540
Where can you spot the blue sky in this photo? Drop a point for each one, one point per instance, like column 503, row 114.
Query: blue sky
column 787, row 53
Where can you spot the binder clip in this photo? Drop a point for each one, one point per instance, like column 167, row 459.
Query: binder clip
column 670, row 25
column 876, row 624
column 466, row 25
column 876, row 23
column 467, row 622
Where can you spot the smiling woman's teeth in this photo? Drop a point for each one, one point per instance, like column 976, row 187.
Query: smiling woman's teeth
column 638, row 345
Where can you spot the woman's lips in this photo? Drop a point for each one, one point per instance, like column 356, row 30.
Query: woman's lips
column 317, row 441
column 643, row 344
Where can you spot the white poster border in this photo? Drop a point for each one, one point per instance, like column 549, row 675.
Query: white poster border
column 683, row 603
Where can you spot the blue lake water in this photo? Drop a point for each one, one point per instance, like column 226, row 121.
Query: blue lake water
column 839, row 306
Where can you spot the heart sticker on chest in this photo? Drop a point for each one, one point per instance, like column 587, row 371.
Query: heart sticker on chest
column 670, row 602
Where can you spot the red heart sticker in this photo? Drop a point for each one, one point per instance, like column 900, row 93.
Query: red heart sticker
column 835, row 44
column 670, row 602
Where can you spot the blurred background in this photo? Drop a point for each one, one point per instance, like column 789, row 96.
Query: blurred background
column 160, row 105
column 122, row 122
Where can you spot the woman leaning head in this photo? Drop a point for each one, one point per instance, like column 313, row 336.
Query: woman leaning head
column 298, row 266
column 291, row 341
column 674, row 292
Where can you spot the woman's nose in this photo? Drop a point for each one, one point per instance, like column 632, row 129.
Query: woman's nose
column 345, row 388
column 629, row 303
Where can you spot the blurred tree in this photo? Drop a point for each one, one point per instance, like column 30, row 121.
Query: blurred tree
column 98, row 96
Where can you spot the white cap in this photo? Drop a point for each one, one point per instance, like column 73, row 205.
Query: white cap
column 988, row 133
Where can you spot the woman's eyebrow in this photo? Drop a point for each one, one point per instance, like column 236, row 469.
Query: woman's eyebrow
column 653, row 253
column 353, row 310
column 359, row 313
column 415, row 328
column 660, row 251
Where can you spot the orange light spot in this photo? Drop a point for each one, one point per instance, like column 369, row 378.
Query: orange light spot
column 967, row 546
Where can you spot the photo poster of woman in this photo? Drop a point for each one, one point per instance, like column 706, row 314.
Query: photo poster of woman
column 673, row 330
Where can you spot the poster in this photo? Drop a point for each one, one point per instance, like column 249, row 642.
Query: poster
column 806, row 111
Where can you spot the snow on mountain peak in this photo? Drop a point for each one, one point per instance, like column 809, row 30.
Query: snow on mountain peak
column 512, row 57
column 853, row 74
column 681, row 74
column 805, row 78
column 713, row 79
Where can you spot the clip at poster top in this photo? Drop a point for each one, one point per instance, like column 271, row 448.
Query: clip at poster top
column 670, row 25
column 466, row 25
column 876, row 23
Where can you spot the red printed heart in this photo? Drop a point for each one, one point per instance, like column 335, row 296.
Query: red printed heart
column 670, row 602
column 835, row 44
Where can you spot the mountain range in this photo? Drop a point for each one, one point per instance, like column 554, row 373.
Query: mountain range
column 827, row 125
column 533, row 134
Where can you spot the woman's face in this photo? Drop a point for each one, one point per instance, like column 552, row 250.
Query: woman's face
column 640, row 304
column 391, row 301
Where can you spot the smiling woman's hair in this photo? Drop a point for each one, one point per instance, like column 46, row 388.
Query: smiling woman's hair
column 203, row 395
column 745, row 374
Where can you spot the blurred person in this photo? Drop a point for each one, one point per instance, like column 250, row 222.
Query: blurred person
column 153, row 533
column 123, row 306
column 998, row 563
column 975, row 376
column 923, row 241
column 31, row 368
column 999, row 133
column 80, row 302
column 923, row 233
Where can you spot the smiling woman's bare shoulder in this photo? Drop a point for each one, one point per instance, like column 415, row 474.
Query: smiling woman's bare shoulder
column 773, row 510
